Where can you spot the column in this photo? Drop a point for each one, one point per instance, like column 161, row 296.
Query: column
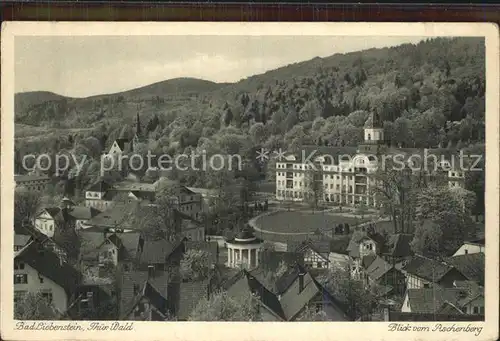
column 256, row 257
column 249, row 258
column 230, row 257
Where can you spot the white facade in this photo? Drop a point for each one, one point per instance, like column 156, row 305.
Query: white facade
column 469, row 248
column 45, row 223
column 27, row 279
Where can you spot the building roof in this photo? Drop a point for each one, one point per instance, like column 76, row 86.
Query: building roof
column 399, row 245
column 426, row 268
column 415, row 317
column 117, row 216
column 100, row 186
column 28, row 177
column 246, row 283
column 190, row 294
column 123, row 143
column 433, row 300
column 366, row 261
column 21, row 239
column 244, row 237
column 50, row 265
column 472, row 266
column 293, row 301
column 378, row 268
column 340, row 245
column 83, row 213
column 480, row 241
column 373, row 121
column 158, row 251
column 133, row 186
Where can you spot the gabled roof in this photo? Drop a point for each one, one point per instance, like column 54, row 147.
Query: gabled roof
column 339, row 245
column 472, row 266
column 320, row 247
column 21, row 239
column 399, row 245
column 190, row 294
column 123, row 143
column 116, row 217
column 24, row 178
column 432, row 300
column 100, row 186
column 366, row 261
column 158, row 251
column 83, row 213
column 293, row 301
column 50, row 265
column 426, row 268
column 378, row 268
column 247, row 283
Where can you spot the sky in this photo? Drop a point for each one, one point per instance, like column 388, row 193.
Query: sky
column 81, row 66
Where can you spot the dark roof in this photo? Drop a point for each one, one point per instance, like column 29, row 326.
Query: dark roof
column 294, row 301
column 127, row 244
column 157, row 251
column 399, row 245
column 24, row 178
column 286, row 280
column 472, row 266
column 99, row 186
column 155, row 289
column 426, row 268
column 414, row 317
column 339, row 245
column 190, row 294
column 247, row 283
column 270, row 260
column 480, row 241
column 432, row 300
column 117, row 216
column 21, row 239
column 373, row 121
column 50, row 265
column 378, row 268
column 83, row 213
column 366, row 261
column 123, row 143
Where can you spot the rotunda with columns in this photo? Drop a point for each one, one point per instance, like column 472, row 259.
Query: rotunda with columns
column 243, row 251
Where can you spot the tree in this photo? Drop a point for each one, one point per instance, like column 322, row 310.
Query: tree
column 158, row 221
column 360, row 300
column 195, row 265
column 222, row 307
column 26, row 206
column 33, row 306
column 449, row 211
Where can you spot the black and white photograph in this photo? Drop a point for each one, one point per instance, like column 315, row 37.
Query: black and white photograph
column 244, row 177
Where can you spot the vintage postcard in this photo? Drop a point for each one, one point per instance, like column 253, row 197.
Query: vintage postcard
column 206, row 181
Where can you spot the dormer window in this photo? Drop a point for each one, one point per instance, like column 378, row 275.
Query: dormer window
column 369, row 137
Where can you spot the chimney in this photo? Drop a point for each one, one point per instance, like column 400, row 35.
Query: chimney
column 151, row 271
column 301, row 281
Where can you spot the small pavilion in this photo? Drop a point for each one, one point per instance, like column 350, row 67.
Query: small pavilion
column 243, row 250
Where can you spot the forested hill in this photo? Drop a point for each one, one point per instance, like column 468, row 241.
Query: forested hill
column 429, row 95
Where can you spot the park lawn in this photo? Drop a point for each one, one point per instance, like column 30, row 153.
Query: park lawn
column 303, row 222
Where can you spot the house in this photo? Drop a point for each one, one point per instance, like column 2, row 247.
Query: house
column 398, row 249
column 95, row 195
column 67, row 215
column 20, row 241
column 38, row 270
column 161, row 255
column 117, row 217
column 185, row 200
column 100, row 248
column 297, row 291
column 32, row 182
column 378, row 271
column 316, row 253
column 303, row 291
column 370, row 244
column 339, row 255
column 469, row 247
column 190, row 228
column 451, row 301
column 143, row 296
column 34, row 235
column 422, row 272
column 471, row 265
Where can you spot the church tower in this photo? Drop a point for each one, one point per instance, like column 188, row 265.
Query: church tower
column 374, row 142
column 374, row 132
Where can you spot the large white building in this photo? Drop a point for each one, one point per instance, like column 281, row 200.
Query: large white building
column 345, row 175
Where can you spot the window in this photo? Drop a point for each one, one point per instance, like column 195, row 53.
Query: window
column 20, row 279
column 18, row 295
column 476, row 310
column 466, row 251
column 19, row 266
column 427, row 285
column 47, row 296
column 318, row 307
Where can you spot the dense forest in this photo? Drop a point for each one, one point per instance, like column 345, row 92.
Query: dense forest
column 431, row 94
